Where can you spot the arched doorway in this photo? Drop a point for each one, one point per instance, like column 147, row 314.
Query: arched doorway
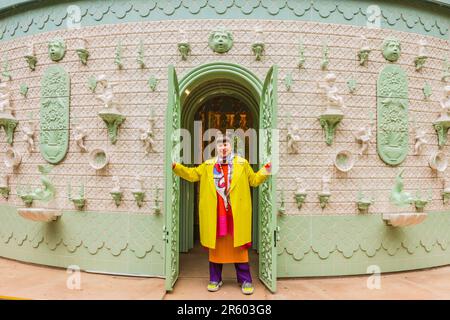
column 197, row 90
column 218, row 103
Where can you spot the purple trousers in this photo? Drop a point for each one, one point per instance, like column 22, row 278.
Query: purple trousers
column 242, row 272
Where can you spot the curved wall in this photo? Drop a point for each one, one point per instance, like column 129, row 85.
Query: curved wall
column 128, row 239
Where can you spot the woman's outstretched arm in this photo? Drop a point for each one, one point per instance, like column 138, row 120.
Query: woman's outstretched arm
column 189, row 174
column 255, row 179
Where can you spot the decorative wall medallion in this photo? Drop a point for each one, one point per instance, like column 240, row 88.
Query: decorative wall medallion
column 54, row 114
column 391, row 49
column 220, row 40
column 56, row 49
column 392, row 111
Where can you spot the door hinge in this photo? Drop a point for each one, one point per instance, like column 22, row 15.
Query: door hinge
column 276, row 235
column 165, row 234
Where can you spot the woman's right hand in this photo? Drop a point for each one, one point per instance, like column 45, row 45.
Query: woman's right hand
column 173, row 165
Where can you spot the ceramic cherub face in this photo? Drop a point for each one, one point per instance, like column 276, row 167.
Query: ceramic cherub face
column 391, row 49
column 56, row 50
column 220, row 41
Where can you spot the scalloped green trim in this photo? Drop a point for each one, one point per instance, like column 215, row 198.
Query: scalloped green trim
column 431, row 20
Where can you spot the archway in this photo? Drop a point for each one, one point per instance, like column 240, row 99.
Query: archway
column 221, row 92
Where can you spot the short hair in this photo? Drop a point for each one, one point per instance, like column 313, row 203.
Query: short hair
column 222, row 138
column 389, row 40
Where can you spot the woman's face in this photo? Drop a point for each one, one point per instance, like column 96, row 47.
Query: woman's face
column 223, row 148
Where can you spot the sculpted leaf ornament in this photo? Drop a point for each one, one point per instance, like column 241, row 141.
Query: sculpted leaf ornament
column 194, row 6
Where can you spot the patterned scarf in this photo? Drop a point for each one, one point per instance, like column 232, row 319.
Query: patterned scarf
column 219, row 178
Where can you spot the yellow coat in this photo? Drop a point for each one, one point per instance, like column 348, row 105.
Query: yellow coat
column 243, row 177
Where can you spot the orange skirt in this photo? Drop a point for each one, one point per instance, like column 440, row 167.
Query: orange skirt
column 225, row 252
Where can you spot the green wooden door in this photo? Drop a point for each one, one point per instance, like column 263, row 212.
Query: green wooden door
column 267, row 200
column 172, row 182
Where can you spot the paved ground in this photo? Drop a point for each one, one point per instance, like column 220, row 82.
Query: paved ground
column 21, row 280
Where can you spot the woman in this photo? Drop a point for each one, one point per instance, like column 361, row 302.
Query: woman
column 225, row 210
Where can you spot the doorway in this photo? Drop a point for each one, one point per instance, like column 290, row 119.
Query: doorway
column 219, row 80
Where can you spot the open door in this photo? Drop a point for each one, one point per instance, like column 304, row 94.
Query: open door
column 172, row 182
column 268, row 147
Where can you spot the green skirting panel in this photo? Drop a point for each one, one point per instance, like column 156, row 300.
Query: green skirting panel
column 121, row 243
column 348, row 245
